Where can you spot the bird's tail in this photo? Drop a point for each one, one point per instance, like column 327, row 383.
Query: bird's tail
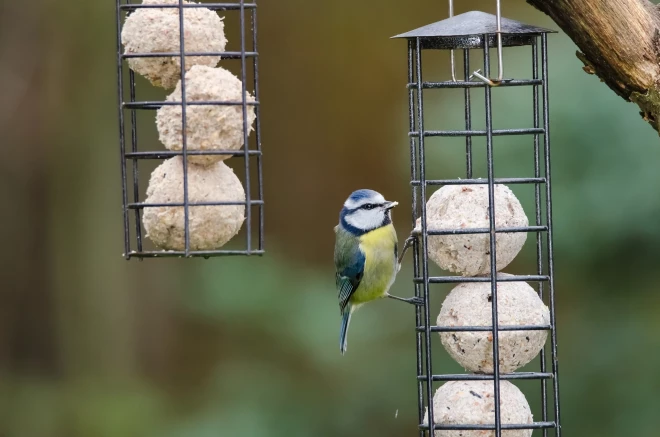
column 345, row 320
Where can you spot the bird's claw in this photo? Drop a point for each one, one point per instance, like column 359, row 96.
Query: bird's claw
column 406, row 245
column 417, row 301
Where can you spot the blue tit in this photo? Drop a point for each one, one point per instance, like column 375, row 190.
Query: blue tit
column 366, row 253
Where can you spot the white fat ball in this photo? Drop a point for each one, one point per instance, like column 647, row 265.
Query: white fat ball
column 470, row 304
column 472, row 403
column 156, row 30
column 464, row 207
column 216, row 127
column 210, row 226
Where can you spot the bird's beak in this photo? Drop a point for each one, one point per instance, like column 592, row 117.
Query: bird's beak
column 390, row 205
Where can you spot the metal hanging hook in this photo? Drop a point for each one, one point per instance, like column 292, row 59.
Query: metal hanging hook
column 500, row 68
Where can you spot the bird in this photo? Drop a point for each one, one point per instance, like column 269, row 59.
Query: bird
column 366, row 254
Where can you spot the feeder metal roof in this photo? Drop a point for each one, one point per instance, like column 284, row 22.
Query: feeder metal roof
column 472, row 23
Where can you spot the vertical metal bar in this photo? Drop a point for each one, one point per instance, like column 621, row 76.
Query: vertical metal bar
column 539, row 220
column 136, row 176
column 493, row 264
column 122, row 140
column 548, row 212
column 258, row 126
column 425, row 260
column 248, row 207
column 468, row 114
column 500, row 67
column 184, row 140
column 451, row 52
column 413, row 178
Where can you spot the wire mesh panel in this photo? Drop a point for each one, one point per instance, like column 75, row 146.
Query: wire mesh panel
column 473, row 35
column 208, row 143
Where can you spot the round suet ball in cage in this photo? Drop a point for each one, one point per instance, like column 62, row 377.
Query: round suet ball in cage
column 210, row 227
column 156, row 30
column 470, row 304
column 464, row 207
column 472, row 403
column 208, row 127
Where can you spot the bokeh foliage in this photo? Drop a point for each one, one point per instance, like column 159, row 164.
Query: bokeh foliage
column 91, row 345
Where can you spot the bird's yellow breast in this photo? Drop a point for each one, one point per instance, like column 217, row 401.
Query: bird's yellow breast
column 379, row 265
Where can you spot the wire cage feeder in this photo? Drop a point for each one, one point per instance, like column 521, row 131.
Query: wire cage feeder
column 193, row 53
column 477, row 33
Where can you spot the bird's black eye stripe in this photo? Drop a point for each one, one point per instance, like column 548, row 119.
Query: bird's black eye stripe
column 371, row 205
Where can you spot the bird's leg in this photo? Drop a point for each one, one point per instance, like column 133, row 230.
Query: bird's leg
column 413, row 300
column 409, row 242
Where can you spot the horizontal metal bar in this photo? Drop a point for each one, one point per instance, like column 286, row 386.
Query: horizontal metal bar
column 534, row 425
column 158, row 105
column 478, row 84
column 460, row 279
column 192, row 253
column 212, row 6
column 223, row 55
column 170, row 153
column 485, row 328
column 477, row 133
column 458, row 42
column 470, row 231
column 142, row 205
column 483, row 377
column 480, row 181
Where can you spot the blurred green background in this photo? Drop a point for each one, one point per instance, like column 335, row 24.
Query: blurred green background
column 94, row 346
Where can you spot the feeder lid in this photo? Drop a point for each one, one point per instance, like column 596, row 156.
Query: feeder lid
column 472, row 23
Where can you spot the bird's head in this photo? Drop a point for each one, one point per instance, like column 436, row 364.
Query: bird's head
column 366, row 210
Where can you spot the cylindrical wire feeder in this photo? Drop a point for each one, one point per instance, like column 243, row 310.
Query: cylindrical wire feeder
column 477, row 32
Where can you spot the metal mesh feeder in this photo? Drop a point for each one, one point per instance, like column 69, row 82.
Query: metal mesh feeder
column 478, row 218
column 208, row 125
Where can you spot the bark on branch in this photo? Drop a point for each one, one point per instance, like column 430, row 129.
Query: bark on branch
column 619, row 42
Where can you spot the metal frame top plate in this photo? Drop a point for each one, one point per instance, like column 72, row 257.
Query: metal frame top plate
column 466, row 31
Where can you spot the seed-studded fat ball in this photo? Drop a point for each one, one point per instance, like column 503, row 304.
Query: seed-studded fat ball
column 470, row 304
column 472, row 403
column 209, row 127
column 464, row 207
column 156, row 30
column 210, row 227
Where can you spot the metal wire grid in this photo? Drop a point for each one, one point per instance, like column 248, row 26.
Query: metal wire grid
column 124, row 7
column 422, row 280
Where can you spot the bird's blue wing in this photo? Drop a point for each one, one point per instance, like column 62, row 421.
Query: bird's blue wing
column 350, row 269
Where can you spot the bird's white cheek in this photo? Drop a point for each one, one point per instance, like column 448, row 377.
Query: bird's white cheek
column 354, row 221
column 365, row 219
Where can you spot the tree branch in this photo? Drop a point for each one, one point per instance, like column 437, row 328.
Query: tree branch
column 620, row 43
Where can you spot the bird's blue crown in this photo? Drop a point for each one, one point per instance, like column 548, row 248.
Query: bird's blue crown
column 357, row 198
column 364, row 193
